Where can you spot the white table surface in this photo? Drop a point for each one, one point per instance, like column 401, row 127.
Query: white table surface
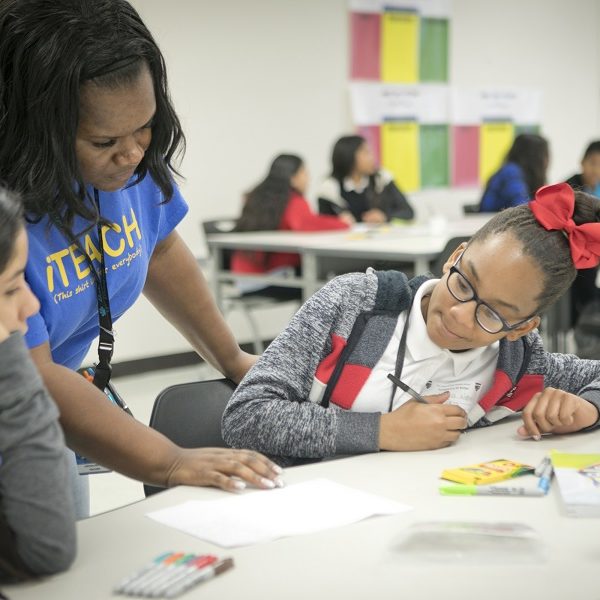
column 430, row 238
column 358, row 561
column 416, row 243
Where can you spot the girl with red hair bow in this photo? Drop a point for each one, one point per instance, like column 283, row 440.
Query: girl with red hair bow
column 465, row 345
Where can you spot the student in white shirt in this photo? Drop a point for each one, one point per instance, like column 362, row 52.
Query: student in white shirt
column 471, row 347
column 357, row 189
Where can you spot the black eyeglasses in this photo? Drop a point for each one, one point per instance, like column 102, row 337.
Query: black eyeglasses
column 487, row 318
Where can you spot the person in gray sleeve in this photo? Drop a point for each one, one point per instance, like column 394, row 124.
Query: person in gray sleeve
column 376, row 362
column 37, row 519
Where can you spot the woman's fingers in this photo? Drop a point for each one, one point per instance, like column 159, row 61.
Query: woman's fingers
column 225, row 468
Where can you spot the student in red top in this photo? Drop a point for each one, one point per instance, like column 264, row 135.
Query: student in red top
column 278, row 204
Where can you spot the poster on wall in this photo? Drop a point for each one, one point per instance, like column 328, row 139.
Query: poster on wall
column 485, row 122
column 424, row 131
column 407, row 127
column 399, row 42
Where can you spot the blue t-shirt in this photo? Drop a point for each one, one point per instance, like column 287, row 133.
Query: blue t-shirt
column 506, row 188
column 59, row 274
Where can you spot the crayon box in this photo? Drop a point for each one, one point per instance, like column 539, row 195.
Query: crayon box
column 487, row 472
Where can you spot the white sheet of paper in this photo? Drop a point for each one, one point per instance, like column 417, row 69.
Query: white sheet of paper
column 265, row 515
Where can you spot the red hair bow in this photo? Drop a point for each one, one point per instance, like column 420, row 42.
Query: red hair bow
column 553, row 208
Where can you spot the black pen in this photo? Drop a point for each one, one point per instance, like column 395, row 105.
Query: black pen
column 407, row 389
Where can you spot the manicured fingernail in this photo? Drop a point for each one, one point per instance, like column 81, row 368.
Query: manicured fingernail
column 277, row 469
column 239, row 485
column 537, row 438
column 279, row 482
column 267, row 483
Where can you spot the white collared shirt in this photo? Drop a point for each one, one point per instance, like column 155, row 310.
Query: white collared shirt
column 351, row 186
column 428, row 369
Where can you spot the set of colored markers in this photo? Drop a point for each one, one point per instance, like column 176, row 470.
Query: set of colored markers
column 172, row 574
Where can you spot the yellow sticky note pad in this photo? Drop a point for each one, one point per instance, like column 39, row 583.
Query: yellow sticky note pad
column 495, row 140
column 487, row 472
column 400, row 153
column 399, row 47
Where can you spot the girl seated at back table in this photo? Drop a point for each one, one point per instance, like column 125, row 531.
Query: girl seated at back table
column 523, row 172
column 278, row 203
column 467, row 342
column 358, row 189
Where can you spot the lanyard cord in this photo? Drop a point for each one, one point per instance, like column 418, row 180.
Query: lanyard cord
column 400, row 357
column 106, row 341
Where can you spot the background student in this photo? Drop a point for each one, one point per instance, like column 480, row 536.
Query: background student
column 88, row 138
column 584, row 289
column 466, row 342
column 37, row 520
column 357, row 188
column 523, row 172
column 589, row 178
column 278, row 203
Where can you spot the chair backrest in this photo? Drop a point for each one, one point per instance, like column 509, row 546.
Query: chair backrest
column 469, row 209
column 449, row 248
column 190, row 414
column 225, row 225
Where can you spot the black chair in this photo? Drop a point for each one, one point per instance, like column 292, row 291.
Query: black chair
column 556, row 325
column 226, row 225
column 471, row 209
column 189, row 414
column 245, row 303
column 444, row 255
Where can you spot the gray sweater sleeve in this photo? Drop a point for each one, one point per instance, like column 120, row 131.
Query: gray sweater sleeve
column 271, row 412
column 35, row 494
column 569, row 373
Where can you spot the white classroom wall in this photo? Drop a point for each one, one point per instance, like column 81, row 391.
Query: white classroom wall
column 252, row 78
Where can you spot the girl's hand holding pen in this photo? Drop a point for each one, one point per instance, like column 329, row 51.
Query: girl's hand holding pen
column 422, row 426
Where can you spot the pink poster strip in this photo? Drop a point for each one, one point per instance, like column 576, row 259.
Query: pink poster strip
column 365, row 41
column 372, row 134
column 465, row 155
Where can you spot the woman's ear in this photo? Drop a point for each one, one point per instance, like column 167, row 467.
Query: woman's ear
column 453, row 257
column 519, row 332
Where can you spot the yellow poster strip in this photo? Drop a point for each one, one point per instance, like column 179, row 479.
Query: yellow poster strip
column 400, row 47
column 495, row 140
column 400, row 153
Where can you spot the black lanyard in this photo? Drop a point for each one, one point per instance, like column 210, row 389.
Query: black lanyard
column 400, row 357
column 106, row 341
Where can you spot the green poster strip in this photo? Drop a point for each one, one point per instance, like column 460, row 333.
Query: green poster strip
column 434, row 50
column 435, row 164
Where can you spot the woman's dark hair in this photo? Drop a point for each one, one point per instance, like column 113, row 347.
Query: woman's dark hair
column 531, row 153
column 11, row 222
column 266, row 203
column 593, row 148
column 343, row 157
column 549, row 249
column 48, row 49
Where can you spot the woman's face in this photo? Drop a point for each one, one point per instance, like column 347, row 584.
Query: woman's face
column 364, row 161
column 17, row 303
column 115, row 129
column 590, row 169
column 502, row 276
column 299, row 180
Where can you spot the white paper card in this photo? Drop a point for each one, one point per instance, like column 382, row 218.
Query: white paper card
column 265, row 515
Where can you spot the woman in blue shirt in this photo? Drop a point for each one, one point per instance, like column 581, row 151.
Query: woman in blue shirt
column 88, row 136
column 523, row 172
